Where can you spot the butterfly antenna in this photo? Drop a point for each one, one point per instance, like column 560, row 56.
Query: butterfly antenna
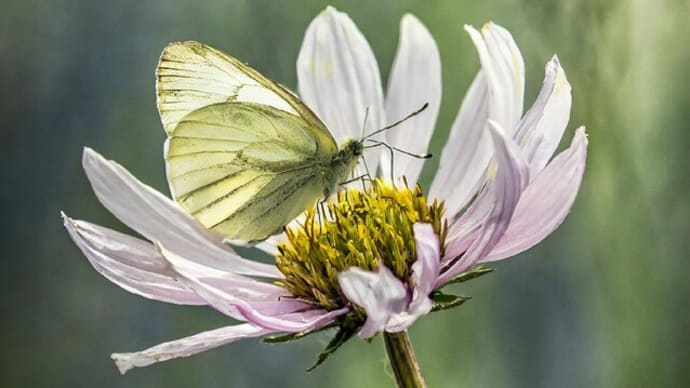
column 377, row 143
column 411, row 115
column 364, row 123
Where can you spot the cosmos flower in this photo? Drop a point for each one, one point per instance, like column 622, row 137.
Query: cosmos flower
column 378, row 261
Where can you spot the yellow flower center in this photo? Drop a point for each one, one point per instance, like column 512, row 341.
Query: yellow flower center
column 363, row 229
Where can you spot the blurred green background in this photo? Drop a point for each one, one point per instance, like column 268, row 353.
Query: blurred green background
column 603, row 302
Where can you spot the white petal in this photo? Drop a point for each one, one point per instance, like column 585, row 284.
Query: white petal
column 505, row 73
column 270, row 245
column 545, row 202
column 466, row 155
column 339, row 78
column 415, row 79
column 262, row 304
column 160, row 219
column 496, row 94
column 425, row 273
column 426, row 269
column 186, row 347
column 380, row 294
column 132, row 264
column 511, row 177
column 542, row 127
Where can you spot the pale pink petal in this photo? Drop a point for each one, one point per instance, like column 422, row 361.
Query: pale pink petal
column 465, row 229
column 222, row 289
column 545, row 202
column 425, row 272
column 186, row 347
column 380, row 294
column 132, row 264
column 457, row 245
column 466, row 155
column 504, row 68
column 415, row 79
column 426, row 269
column 541, row 129
column 160, row 219
column 292, row 322
column 262, row 304
column 385, row 298
column 339, row 78
column 511, row 177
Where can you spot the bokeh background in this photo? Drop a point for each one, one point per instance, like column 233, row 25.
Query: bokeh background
column 603, row 302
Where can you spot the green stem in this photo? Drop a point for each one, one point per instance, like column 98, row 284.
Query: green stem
column 402, row 360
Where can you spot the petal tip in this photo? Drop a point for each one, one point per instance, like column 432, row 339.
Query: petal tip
column 409, row 20
column 554, row 59
column 581, row 135
column 122, row 361
column 90, row 157
column 88, row 152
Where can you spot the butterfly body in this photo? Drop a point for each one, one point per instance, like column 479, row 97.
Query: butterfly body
column 243, row 155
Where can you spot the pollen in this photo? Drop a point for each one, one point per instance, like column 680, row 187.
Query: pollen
column 365, row 229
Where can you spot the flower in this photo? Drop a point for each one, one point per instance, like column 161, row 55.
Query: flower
column 497, row 193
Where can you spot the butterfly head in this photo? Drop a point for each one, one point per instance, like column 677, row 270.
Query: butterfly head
column 348, row 156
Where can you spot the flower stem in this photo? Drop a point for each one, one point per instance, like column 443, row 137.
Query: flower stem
column 402, row 360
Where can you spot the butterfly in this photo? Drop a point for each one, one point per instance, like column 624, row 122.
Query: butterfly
column 244, row 156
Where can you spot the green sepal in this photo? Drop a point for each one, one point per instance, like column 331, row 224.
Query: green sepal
column 447, row 301
column 290, row 337
column 347, row 329
column 471, row 274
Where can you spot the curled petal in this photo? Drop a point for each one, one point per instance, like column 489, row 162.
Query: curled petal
column 466, row 155
column 425, row 273
column 294, row 322
column 505, row 73
column 186, row 347
column 426, row 269
column 380, row 294
column 132, row 264
column 339, row 77
column 160, row 219
column 261, row 304
column 545, row 202
column 511, row 177
column 385, row 298
column 415, row 79
column 541, row 129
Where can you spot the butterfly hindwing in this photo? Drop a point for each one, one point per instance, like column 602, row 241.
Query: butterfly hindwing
column 245, row 169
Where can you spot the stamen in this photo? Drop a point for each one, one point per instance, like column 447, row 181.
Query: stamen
column 363, row 229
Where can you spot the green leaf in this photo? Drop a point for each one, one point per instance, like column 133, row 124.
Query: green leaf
column 342, row 336
column 447, row 301
column 471, row 274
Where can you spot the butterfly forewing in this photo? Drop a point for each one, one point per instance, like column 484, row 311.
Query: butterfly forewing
column 191, row 75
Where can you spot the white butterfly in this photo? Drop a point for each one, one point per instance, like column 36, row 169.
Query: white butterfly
column 243, row 155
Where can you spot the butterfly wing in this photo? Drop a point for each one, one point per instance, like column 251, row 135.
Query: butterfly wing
column 191, row 75
column 245, row 170
column 244, row 156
